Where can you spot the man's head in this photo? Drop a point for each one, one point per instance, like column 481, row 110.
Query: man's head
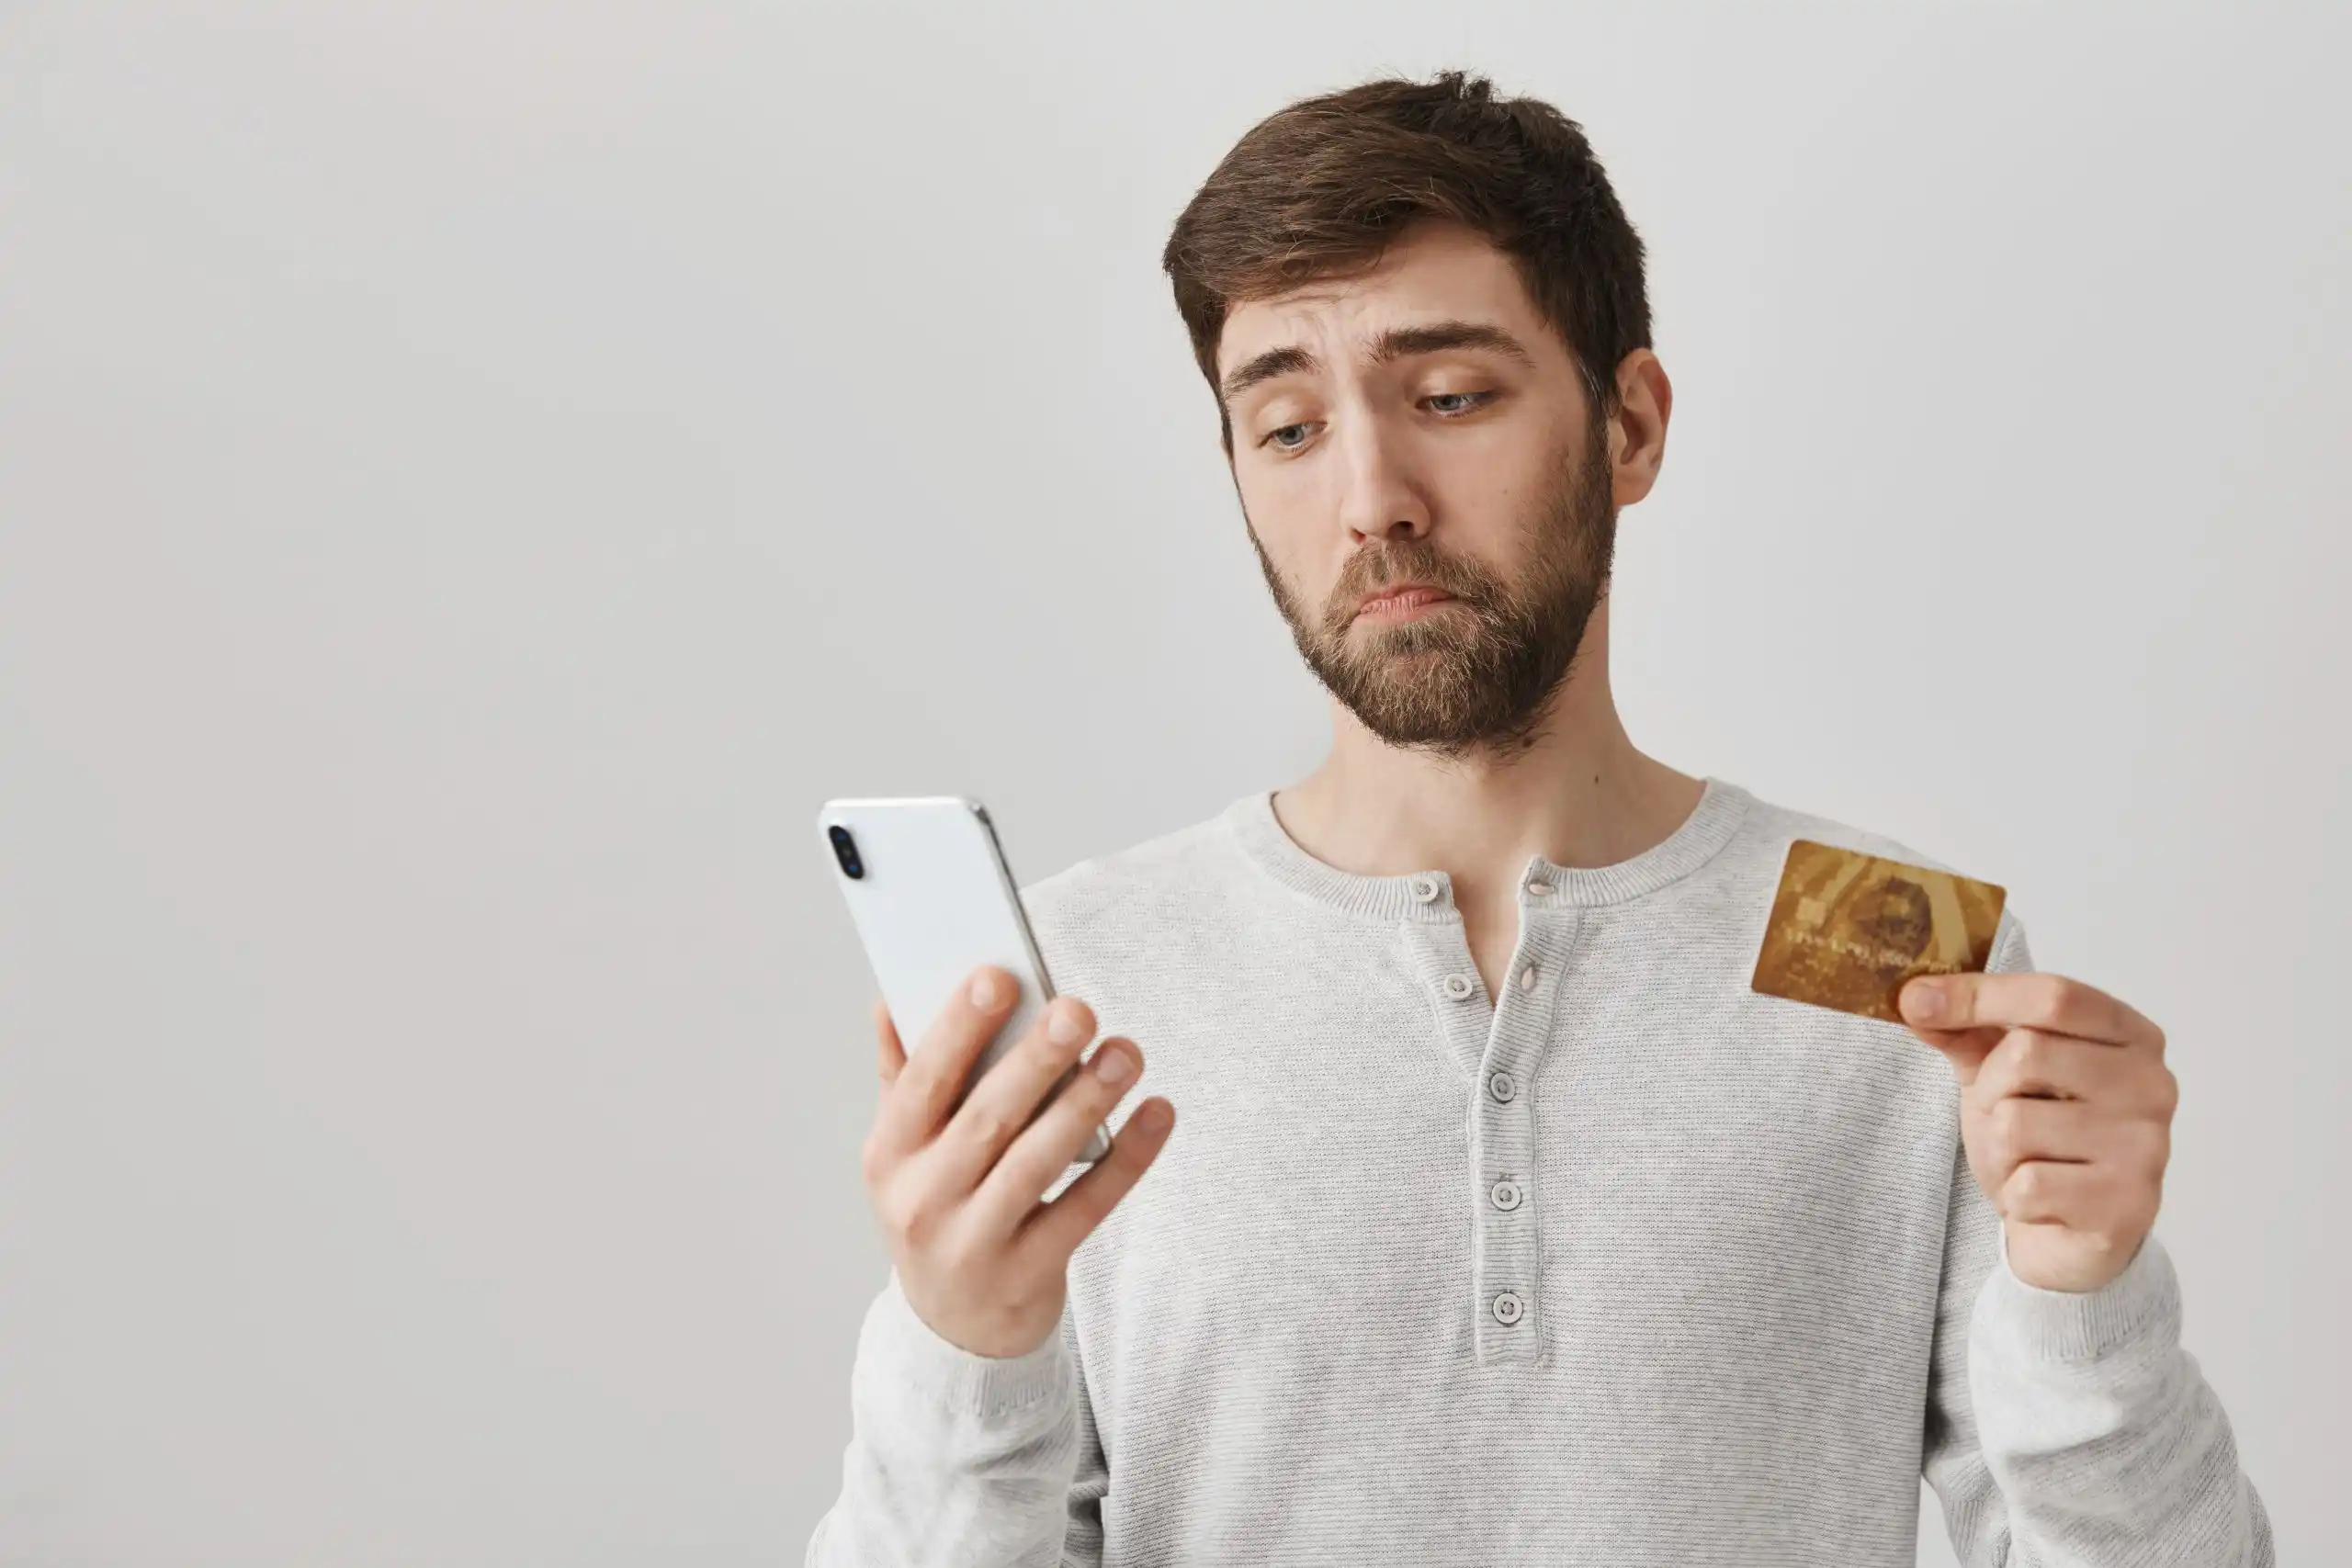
column 1423, row 317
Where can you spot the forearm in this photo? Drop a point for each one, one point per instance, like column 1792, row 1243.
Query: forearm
column 2100, row 1431
column 955, row 1460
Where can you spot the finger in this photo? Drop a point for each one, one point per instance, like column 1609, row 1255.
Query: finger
column 2079, row 1197
column 920, row 1100
column 2038, row 1064
column 1034, row 1160
column 1967, row 1048
column 1008, row 1097
column 1055, row 1229
column 2069, row 1132
column 2029, row 1000
column 892, row 1055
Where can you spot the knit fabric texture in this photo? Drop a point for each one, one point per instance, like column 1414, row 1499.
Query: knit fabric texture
column 1628, row 1265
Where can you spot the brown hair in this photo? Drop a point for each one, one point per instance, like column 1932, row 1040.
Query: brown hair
column 1319, row 190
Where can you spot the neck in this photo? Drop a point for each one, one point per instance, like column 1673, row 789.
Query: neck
column 1581, row 795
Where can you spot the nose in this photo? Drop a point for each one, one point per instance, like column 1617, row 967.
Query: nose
column 1382, row 501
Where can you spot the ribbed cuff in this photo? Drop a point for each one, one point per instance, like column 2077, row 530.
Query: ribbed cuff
column 2138, row 1306
column 899, row 1342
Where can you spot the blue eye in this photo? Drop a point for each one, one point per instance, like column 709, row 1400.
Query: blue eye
column 1476, row 400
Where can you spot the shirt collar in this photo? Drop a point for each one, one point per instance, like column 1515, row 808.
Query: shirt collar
column 1428, row 894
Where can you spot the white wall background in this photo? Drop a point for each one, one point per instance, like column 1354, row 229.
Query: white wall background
column 473, row 478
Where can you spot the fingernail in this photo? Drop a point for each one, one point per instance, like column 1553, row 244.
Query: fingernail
column 984, row 990
column 1923, row 1000
column 1113, row 1066
column 1062, row 1028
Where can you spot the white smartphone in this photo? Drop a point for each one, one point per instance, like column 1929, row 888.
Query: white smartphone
column 931, row 897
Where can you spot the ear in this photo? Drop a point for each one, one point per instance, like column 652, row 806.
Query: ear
column 1637, row 432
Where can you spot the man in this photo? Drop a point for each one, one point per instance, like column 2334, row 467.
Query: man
column 1509, row 1224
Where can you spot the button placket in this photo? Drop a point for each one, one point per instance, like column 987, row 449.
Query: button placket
column 1507, row 1245
column 1438, row 954
column 1498, row 1048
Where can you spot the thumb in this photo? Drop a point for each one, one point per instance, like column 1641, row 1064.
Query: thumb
column 1965, row 1048
column 890, row 1056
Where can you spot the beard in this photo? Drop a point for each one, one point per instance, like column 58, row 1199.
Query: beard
column 1476, row 675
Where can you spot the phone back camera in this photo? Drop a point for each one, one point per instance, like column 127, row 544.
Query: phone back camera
column 845, row 850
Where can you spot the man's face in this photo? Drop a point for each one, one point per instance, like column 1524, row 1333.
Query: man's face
column 1462, row 465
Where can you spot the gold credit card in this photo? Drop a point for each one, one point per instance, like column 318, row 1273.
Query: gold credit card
column 1849, row 930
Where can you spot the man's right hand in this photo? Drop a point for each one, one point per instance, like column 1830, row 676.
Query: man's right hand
column 983, row 1261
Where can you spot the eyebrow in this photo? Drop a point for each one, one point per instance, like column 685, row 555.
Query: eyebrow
column 1396, row 342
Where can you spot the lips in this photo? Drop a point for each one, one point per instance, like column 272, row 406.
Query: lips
column 1401, row 596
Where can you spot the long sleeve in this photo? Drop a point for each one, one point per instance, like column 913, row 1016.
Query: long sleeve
column 2071, row 1428
column 961, row 1461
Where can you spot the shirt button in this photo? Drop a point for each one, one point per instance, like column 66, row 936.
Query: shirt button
column 1502, row 1086
column 1539, row 887
column 1509, row 1308
column 1459, row 986
column 1527, row 978
column 1424, row 888
column 1505, row 1194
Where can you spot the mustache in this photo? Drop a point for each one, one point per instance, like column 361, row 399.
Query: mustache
column 1413, row 562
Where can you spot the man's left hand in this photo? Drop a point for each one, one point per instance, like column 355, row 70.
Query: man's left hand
column 2066, row 1112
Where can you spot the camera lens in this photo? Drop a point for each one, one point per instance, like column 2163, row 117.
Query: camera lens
column 845, row 850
